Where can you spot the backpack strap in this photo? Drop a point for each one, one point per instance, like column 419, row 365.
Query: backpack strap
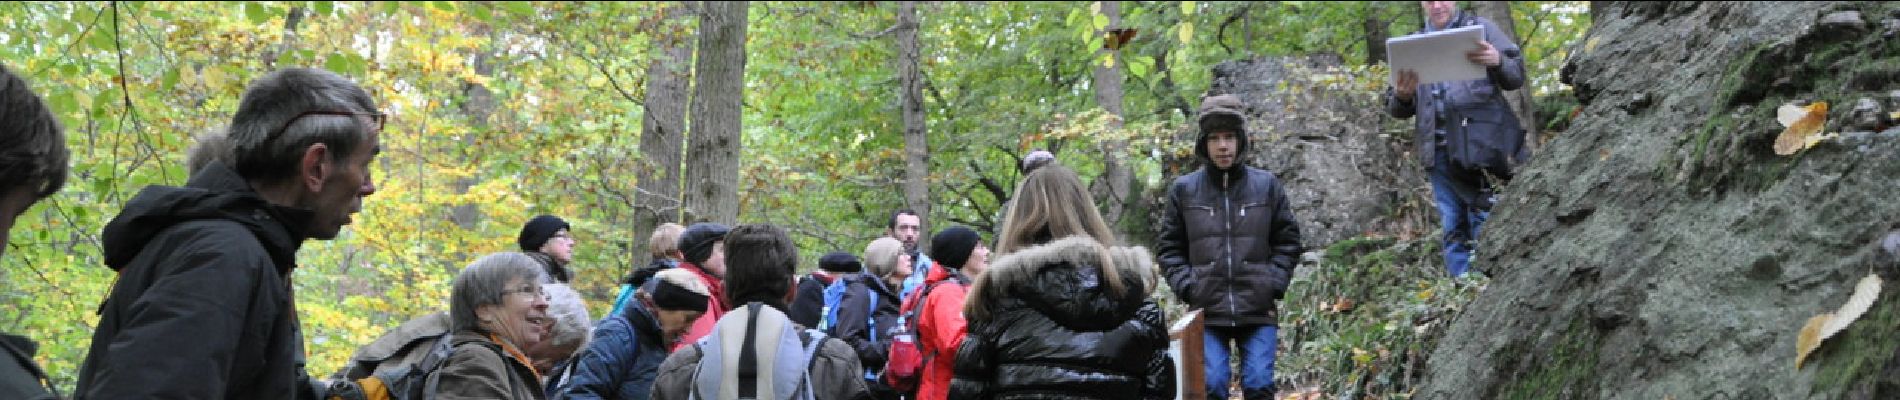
column 814, row 339
column 748, row 356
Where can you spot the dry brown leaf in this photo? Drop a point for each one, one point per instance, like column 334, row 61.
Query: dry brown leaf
column 1810, row 338
column 1795, row 138
column 1825, row 326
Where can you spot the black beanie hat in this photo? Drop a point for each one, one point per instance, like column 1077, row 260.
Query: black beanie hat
column 839, row 261
column 952, row 246
column 538, row 231
column 697, row 242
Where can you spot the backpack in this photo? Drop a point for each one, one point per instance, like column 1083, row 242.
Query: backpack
column 391, row 368
column 904, row 367
column 408, row 382
column 828, row 320
column 793, row 344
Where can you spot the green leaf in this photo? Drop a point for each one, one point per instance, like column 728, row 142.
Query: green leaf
column 482, row 13
column 1101, row 22
column 100, row 39
column 520, row 8
column 169, row 80
column 256, row 12
column 325, row 7
column 444, row 6
column 1187, row 8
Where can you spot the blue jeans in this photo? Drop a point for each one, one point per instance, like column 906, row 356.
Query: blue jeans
column 1459, row 212
column 1257, row 346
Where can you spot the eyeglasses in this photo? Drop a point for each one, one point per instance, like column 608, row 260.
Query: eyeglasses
column 530, row 290
column 377, row 118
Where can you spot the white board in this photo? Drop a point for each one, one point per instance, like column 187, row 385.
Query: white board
column 1437, row 56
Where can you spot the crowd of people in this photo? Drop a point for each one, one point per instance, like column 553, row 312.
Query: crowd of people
column 1059, row 308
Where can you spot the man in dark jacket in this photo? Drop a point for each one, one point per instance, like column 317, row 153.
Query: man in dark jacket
column 1466, row 133
column 204, row 270
column 1229, row 244
column 32, row 166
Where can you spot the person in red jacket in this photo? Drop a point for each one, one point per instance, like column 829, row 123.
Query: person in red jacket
column 705, row 250
column 940, row 327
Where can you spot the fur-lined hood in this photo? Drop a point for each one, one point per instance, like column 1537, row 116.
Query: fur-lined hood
column 1063, row 280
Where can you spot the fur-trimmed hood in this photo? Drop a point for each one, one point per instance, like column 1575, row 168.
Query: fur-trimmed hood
column 1063, row 280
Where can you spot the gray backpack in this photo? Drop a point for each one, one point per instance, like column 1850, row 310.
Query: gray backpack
column 791, row 359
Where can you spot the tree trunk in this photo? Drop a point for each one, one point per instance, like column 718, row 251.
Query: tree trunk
column 662, row 132
column 712, row 176
column 1499, row 12
column 911, row 104
column 477, row 106
column 1377, row 31
column 1112, row 191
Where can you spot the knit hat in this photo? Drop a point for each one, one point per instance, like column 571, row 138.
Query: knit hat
column 881, row 255
column 839, row 261
column 1222, row 113
column 952, row 246
column 538, row 230
column 697, row 242
column 1036, row 159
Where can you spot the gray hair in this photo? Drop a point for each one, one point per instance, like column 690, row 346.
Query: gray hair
column 484, row 282
column 260, row 152
column 33, row 151
column 205, row 148
column 572, row 325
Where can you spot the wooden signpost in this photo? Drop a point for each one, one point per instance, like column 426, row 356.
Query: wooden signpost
column 1185, row 340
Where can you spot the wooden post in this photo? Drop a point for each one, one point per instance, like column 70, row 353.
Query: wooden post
column 1186, row 339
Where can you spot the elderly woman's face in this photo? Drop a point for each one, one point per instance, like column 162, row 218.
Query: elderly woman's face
column 522, row 317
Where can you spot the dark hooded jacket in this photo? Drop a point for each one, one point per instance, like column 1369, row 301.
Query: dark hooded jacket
column 1043, row 324
column 203, row 286
column 20, row 377
column 1228, row 241
column 622, row 360
column 856, row 315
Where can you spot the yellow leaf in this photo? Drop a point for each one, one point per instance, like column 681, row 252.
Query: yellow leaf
column 1187, row 32
column 1825, row 326
column 1810, row 338
column 1795, row 138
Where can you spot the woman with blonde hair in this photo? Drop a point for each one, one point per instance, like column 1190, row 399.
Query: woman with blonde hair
column 1064, row 310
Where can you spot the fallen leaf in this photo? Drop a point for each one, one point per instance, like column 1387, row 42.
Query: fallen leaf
column 1795, row 138
column 1824, row 326
column 1603, row 154
column 1790, row 113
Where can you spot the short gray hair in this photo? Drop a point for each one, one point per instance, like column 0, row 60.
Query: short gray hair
column 33, row 151
column 275, row 101
column 572, row 325
column 485, row 282
column 206, row 148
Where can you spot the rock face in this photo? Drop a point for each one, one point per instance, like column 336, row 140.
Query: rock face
column 1660, row 248
column 1322, row 129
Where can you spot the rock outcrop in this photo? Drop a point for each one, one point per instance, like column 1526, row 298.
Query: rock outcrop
column 1321, row 127
column 1660, row 248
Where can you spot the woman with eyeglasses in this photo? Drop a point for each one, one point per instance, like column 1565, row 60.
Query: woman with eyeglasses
column 496, row 310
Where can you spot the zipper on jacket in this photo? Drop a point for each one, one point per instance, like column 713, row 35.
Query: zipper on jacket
column 1227, row 203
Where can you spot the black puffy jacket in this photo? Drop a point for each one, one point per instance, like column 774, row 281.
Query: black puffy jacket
column 1043, row 324
column 1229, row 244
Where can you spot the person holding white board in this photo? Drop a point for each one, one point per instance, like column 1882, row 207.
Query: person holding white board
column 1467, row 137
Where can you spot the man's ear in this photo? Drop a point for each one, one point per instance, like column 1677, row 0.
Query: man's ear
column 314, row 167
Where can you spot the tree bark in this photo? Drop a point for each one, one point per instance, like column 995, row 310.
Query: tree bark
column 477, row 105
column 910, row 102
column 1112, row 191
column 712, row 173
column 1377, row 30
column 1499, row 12
column 662, row 132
